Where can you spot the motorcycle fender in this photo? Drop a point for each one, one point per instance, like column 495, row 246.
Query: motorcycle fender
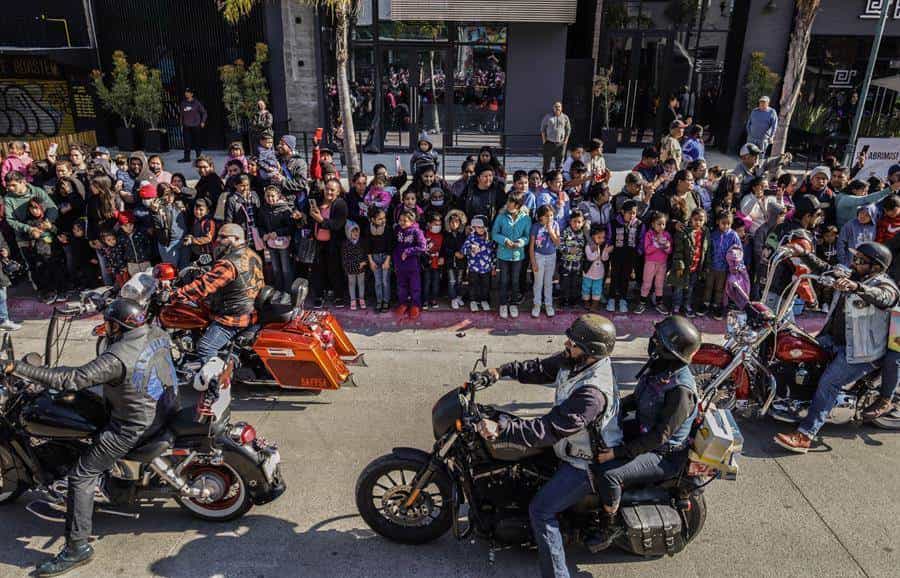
column 718, row 356
column 248, row 463
column 417, row 455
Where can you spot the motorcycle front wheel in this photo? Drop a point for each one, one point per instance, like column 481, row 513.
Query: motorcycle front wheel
column 383, row 487
column 726, row 396
column 10, row 485
column 890, row 420
column 229, row 500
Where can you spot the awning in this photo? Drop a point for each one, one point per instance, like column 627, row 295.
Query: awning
column 888, row 82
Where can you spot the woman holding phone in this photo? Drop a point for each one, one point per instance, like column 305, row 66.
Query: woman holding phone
column 328, row 218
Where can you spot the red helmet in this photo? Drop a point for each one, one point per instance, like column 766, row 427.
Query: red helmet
column 165, row 272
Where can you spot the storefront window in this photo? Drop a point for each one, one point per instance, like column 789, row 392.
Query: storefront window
column 481, row 33
column 362, row 28
column 479, row 83
column 396, row 30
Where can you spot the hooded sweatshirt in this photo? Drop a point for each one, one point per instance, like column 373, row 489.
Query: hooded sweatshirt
column 410, row 243
column 353, row 253
column 453, row 240
column 421, row 159
column 75, row 200
column 854, row 233
column 131, row 182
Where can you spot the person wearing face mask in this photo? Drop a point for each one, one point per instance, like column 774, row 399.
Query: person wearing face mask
column 437, row 202
column 230, row 286
column 586, row 401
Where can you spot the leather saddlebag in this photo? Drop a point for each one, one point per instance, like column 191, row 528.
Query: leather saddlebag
column 653, row 530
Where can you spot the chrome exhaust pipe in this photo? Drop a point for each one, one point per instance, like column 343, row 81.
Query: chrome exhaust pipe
column 170, row 475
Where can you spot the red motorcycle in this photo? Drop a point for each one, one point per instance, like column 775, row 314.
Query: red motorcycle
column 288, row 347
column 770, row 366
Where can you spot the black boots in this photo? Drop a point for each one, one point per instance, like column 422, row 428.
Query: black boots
column 70, row 558
column 600, row 538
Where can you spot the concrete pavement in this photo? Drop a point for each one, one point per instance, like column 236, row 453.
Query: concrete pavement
column 830, row 513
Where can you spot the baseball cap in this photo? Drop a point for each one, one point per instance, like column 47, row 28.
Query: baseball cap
column 147, row 191
column 806, row 204
column 821, row 169
column 100, row 151
column 750, row 149
column 763, row 98
column 676, row 124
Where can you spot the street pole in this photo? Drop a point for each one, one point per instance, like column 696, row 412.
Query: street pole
column 864, row 93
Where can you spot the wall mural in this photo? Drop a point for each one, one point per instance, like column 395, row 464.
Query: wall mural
column 35, row 108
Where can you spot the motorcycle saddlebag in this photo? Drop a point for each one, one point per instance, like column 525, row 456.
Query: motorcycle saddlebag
column 653, row 530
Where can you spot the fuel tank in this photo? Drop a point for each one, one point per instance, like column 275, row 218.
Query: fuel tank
column 795, row 346
column 70, row 416
column 184, row 316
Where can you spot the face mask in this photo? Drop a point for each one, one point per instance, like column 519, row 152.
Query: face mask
column 354, row 241
column 437, row 202
column 147, row 202
column 435, row 228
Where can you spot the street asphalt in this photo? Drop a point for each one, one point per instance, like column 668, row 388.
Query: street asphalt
column 833, row 512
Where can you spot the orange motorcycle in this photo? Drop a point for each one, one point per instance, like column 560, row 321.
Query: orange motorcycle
column 288, row 347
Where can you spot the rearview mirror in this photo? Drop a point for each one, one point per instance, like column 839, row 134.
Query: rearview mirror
column 299, row 289
column 33, row 358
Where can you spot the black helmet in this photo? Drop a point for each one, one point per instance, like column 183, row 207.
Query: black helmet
column 595, row 334
column 125, row 312
column 678, row 337
column 875, row 252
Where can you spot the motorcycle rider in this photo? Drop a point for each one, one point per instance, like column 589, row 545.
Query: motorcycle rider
column 855, row 332
column 232, row 283
column 139, row 384
column 665, row 404
column 587, row 398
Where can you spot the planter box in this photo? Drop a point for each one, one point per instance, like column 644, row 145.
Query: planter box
column 156, row 141
column 127, row 139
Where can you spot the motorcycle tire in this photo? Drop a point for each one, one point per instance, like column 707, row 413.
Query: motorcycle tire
column 726, row 396
column 695, row 519
column 232, row 505
column 890, row 420
column 10, row 486
column 393, row 525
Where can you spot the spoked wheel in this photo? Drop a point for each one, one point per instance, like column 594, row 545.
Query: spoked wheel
column 228, row 498
column 383, row 488
column 725, row 397
column 10, row 485
column 890, row 420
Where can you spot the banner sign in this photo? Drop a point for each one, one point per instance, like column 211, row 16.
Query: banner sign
column 881, row 153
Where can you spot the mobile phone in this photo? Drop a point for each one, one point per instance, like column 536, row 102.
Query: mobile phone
column 53, row 147
column 313, row 204
column 318, row 134
column 397, row 164
column 865, row 150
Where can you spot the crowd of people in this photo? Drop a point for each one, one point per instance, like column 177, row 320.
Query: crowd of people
column 680, row 236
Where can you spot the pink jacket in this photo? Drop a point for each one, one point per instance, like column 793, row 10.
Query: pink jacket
column 15, row 163
column 657, row 246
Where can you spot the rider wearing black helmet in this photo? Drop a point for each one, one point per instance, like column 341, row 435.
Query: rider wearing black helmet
column 139, row 385
column 665, row 403
column 855, row 332
column 584, row 417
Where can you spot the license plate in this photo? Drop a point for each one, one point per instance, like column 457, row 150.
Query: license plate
column 270, row 464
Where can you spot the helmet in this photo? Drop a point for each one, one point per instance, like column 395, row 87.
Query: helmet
column 678, row 337
column 127, row 313
column 875, row 252
column 595, row 334
column 165, row 272
column 233, row 230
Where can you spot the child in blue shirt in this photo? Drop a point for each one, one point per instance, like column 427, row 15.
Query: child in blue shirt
column 543, row 244
column 721, row 239
column 479, row 252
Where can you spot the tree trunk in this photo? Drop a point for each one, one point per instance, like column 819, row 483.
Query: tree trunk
column 343, row 89
column 804, row 14
column 436, row 117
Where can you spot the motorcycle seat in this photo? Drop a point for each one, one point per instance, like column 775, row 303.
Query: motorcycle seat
column 183, row 424
column 247, row 336
column 152, row 448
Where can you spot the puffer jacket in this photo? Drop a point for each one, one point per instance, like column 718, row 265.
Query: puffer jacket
column 854, row 233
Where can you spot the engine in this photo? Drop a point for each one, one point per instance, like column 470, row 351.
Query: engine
column 796, row 380
column 503, row 493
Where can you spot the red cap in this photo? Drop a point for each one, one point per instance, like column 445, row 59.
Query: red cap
column 147, row 191
column 125, row 217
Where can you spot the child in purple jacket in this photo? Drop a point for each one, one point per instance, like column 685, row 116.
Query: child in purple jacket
column 409, row 246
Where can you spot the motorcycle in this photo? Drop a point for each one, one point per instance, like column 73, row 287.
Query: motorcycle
column 288, row 347
column 474, row 486
column 215, row 469
column 770, row 366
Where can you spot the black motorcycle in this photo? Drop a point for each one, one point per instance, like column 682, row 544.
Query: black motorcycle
column 475, row 486
column 214, row 469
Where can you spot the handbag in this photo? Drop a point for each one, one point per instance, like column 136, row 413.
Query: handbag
column 258, row 243
column 305, row 250
column 279, row 242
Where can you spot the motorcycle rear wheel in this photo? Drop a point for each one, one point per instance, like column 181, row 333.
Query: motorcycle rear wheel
column 233, row 500
column 385, row 483
column 890, row 420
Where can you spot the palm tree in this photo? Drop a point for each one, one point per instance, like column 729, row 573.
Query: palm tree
column 804, row 14
column 343, row 12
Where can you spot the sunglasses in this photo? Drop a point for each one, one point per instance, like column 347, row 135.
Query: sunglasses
column 858, row 260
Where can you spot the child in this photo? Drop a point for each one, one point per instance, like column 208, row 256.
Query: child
column 542, row 246
column 84, row 257
column 571, row 255
column 454, row 237
column 596, row 163
column 235, row 153
column 688, row 258
column 137, row 246
column 114, row 256
column 408, row 204
column 624, row 234
column 6, row 324
column 410, row 244
column 828, row 252
column 169, row 226
column 203, row 231
column 856, row 232
column 596, row 251
column 720, row 241
column 575, row 153
column 355, row 260
column 434, row 262
column 47, row 254
column 378, row 195
column 510, row 232
column 266, row 158
column 742, row 230
column 737, row 285
column 378, row 252
column 276, row 227
column 775, row 216
column 657, row 246
column 424, row 157
column 479, row 253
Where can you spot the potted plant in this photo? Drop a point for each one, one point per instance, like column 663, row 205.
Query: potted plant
column 119, row 99
column 232, row 76
column 148, row 107
column 808, row 126
column 604, row 95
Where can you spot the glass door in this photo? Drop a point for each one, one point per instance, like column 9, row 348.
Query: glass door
column 429, row 96
column 396, row 113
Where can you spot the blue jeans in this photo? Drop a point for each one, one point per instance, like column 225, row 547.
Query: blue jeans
column 684, row 295
column 644, row 469
column 565, row 489
column 215, row 338
column 431, row 284
column 4, row 313
column 510, row 274
column 454, row 283
column 382, row 279
column 282, row 269
column 890, row 372
column 838, row 374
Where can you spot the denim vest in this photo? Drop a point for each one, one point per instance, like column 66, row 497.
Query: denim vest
column 865, row 326
column 651, row 392
column 576, row 449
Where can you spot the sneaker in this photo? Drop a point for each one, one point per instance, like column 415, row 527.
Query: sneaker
column 504, row 311
column 689, row 311
column 414, row 312
column 702, row 310
column 513, row 311
column 425, row 306
column 661, row 308
column 485, row 306
column 473, row 306
column 640, row 308
column 9, row 325
column 69, row 559
column 456, row 303
column 362, row 303
column 339, row 303
column 878, row 408
column 353, row 305
column 402, row 309
column 536, row 311
column 49, row 298
column 717, row 314
column 623, row 306
column 550, row 310
column 794, row 442
column 611, row 305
